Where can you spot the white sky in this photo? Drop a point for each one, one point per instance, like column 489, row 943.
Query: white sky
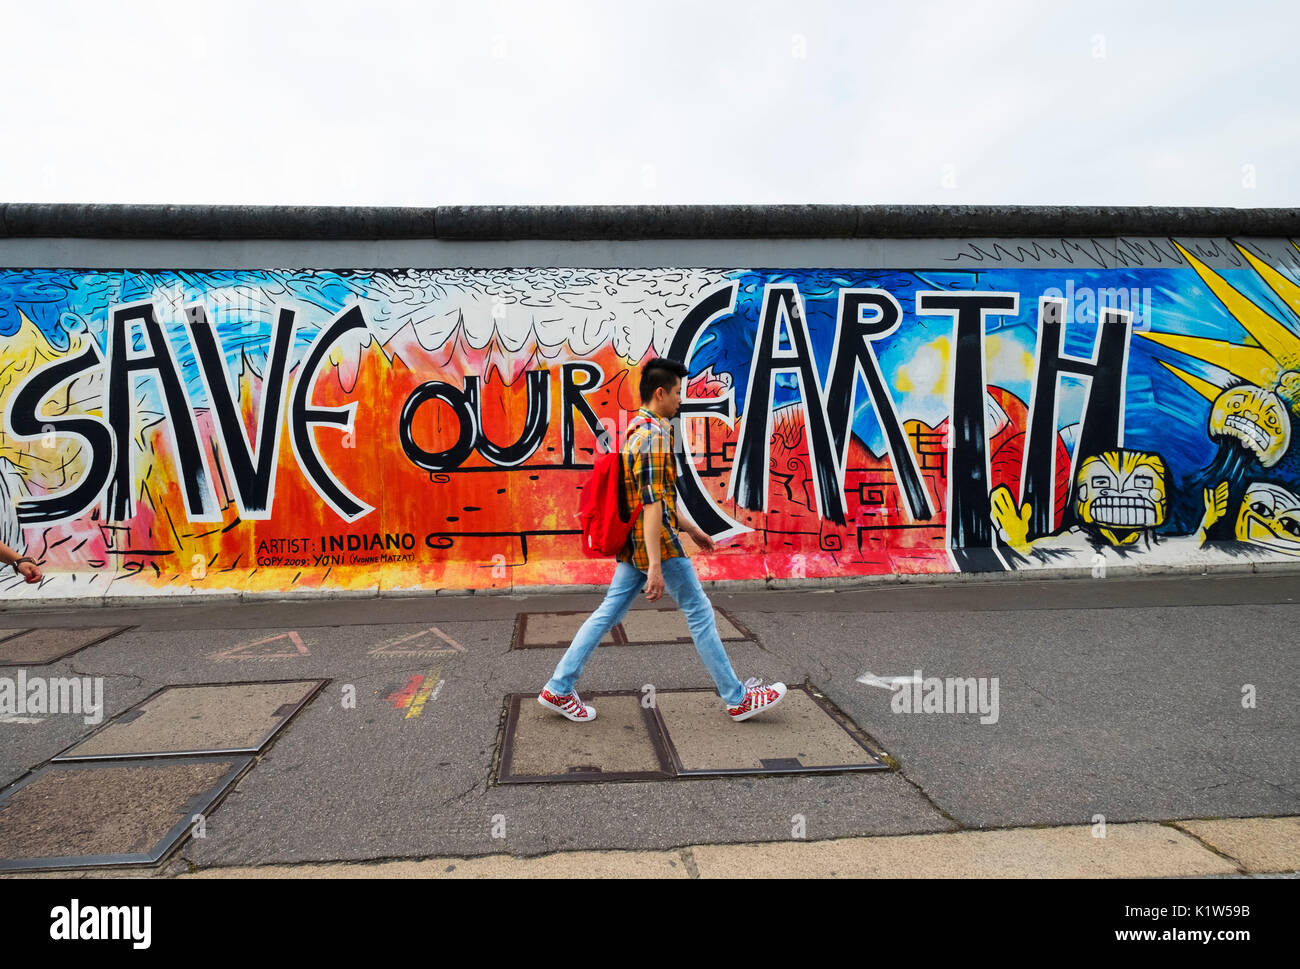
column 402, row 103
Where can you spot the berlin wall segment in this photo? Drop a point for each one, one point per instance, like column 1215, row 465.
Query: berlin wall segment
column 439, row 423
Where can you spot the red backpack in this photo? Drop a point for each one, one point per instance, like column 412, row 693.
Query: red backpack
column 601, row 513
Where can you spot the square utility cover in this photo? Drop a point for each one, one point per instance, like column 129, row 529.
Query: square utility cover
column 124, row 813
column 622, row 743
column 550, row 629
column 802, row 733
column 684, row 733
column 190, row 720
column 669, row 626
column 36, row 647
column 639, row 627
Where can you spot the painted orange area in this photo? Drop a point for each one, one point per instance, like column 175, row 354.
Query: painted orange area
column 403, row 697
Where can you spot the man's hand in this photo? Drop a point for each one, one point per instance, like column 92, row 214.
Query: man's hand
column 700, row 537
column 30, row 571
column 654, row 586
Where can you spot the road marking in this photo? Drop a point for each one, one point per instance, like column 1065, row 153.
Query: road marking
column 402, row 698
column 887, row 682
column 430, row 690
column 418, row 692
column 443, row 636
column 394, row 647
column 21, row 719
column 246, row 650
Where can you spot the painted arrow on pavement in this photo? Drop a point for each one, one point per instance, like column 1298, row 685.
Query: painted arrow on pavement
column 887, row 682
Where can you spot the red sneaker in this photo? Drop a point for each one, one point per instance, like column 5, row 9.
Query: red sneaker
column 759, row 697
column 569, row 706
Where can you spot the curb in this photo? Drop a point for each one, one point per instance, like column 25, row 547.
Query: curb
column 1144, row 849
column 845, row 584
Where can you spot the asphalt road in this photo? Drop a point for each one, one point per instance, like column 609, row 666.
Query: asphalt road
column 1120, row 697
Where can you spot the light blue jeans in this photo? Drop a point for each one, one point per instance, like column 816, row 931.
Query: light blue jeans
column 680, row 582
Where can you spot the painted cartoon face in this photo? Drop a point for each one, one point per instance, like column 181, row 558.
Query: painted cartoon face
column 1270, row 516
column 1122, row 489
column 1257, row 418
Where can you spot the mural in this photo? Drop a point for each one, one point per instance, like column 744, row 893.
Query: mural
column 274, row 430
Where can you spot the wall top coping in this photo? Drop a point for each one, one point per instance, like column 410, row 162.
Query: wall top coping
column 630, row 222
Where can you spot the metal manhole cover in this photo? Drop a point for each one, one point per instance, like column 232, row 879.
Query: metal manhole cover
column 622, row 743
column 548, row 630
column 37, row 647
column 645, row 626
column 684, row 733
column 193, row 720
column 799, row 735
column 557, row 630
column 124, row 813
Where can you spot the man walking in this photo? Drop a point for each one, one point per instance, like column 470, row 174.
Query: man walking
column 654, row 559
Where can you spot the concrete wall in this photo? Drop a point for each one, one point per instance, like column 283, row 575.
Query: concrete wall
column 409, row 401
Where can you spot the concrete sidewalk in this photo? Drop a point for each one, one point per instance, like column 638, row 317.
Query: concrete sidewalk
column 1138, row 700
column 1144, row 850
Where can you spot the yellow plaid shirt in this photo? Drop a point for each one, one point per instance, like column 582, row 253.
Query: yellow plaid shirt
column 650, row 475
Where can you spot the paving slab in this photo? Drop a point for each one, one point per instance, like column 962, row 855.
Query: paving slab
column 1127, row 851
column 178, row 720
column 1260, row 844
column 128, row 812
column 669, row 626
column 799, row 734
column 35, row 647
column 554, row 629
column 541, row 745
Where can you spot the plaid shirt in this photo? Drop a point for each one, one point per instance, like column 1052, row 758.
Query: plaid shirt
column 650, row 475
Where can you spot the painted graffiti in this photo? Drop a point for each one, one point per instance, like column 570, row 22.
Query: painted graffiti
column 259, row 429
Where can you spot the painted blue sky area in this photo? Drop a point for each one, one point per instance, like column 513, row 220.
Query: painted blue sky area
column 242, row 304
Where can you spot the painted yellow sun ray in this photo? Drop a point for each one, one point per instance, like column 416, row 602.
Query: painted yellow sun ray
column 1248, row 363
column 1203, row 387
column 1286, row 290
column 1271, row 334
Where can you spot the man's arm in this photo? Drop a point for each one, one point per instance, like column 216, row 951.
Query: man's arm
column 648, row 462
column 698, row 535
column 652, row 517
column 29, row 570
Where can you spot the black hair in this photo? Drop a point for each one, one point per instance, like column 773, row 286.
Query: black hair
column 659, row 372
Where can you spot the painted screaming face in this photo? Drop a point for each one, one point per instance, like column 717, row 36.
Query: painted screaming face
column 1257, row 418
column 1122, row 490
column 1270, row 516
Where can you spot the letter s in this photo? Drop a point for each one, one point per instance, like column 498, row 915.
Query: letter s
column 23, row 421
